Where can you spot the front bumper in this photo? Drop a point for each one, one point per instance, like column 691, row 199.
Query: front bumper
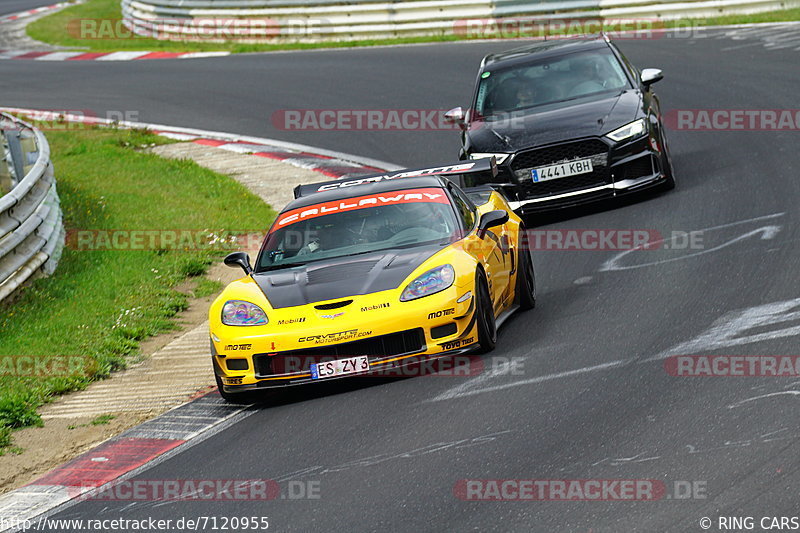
column 617, row 170
column 449, row 331
column 378, row 368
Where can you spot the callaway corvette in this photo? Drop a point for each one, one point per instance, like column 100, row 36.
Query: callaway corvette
column 569, row 121
column 356, row 276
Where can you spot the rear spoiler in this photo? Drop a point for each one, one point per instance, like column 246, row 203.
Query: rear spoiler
column 464, row 173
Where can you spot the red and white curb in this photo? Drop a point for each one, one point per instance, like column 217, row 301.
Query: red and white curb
column 119, row 458
column 63, row 55
column 329, row 163
column 31, row 12
column 103, row 56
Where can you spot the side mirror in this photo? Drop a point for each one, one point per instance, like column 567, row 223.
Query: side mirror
column 240, row 259
column 490, row 220
column 456, row 116
column 651, row 75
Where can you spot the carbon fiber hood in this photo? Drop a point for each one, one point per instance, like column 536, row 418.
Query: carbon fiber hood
column 342, row 277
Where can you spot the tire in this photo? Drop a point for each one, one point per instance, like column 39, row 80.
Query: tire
column 669, row 184
column 236, row 397
column 487, row 326
column 526, row 278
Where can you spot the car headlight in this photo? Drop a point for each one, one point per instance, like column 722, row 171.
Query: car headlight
column 241, row 313
column 479, row 155
column 634, row 129
column 431, row 282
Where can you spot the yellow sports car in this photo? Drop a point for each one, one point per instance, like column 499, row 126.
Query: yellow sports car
column 357, row 276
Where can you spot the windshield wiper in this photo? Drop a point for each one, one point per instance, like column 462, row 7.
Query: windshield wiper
column 281, row 267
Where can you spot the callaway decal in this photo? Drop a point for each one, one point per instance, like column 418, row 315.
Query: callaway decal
column 429, row 195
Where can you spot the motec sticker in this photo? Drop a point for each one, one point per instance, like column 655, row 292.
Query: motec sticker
column 435, row 171
column 236, row 347
column 408, row 196
column 440, row 314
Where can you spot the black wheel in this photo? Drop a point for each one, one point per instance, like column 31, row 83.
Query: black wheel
column 669, row 183
column 487, row 326
column 236, row 397
column 526, row 279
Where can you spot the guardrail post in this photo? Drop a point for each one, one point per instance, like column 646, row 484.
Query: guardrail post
column 31, row 222
column 16, row 153
column 7, row 181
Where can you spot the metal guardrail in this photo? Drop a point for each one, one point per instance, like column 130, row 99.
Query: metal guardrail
column 31, row 225
column 316, row 20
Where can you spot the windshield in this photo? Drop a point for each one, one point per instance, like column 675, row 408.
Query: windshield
column 554, row 79
column 397, row 219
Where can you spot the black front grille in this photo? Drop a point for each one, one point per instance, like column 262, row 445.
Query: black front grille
column 561, row 153
column 404, row 342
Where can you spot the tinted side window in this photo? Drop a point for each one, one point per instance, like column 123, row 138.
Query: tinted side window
column 464, row 208
column 631, row 67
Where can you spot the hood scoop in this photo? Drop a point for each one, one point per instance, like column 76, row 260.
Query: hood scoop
column 338, row 280
column 335, row 305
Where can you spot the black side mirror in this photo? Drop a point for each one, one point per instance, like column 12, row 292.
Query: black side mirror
column 240, row 259
column 492, row 219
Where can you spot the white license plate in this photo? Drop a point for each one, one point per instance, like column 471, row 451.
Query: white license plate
column 562, row 170
column 340, row 367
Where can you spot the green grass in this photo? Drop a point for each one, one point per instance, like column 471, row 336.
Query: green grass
column 206, row 287
column 784, row 15
column 101, row 303
column 102, row 420
column 64, row 29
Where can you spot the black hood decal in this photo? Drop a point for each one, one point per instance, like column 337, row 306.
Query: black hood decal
column 341, row 277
